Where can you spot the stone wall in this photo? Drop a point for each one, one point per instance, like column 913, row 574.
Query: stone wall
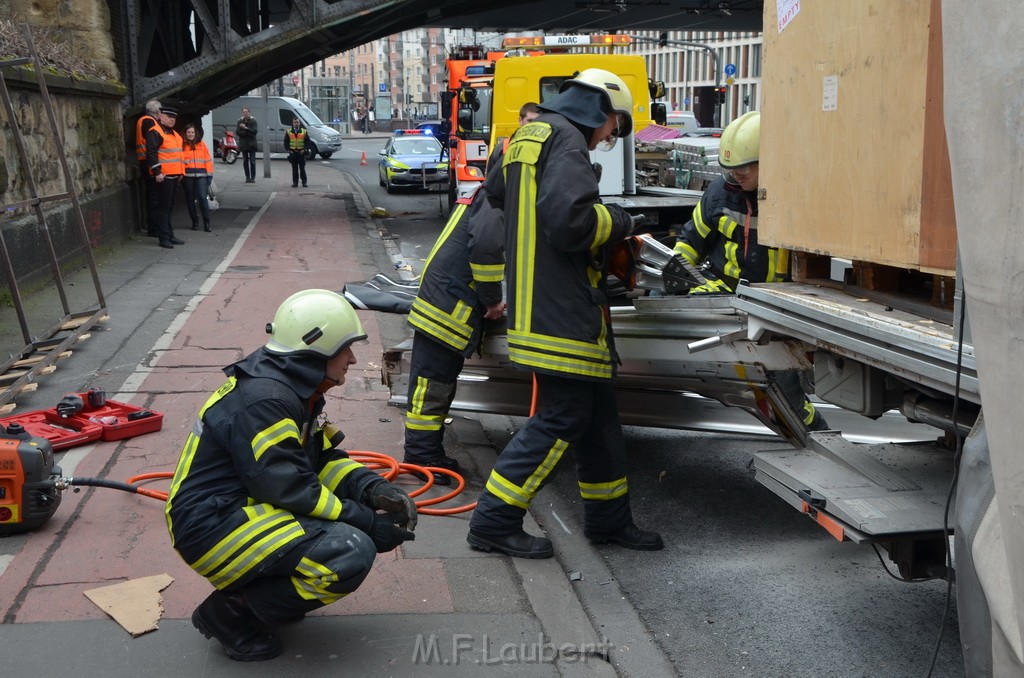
column 89, row 117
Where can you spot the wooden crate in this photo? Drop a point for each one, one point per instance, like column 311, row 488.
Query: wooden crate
column 869, row 178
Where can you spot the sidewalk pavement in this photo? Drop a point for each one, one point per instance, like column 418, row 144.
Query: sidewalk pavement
column 434, row 607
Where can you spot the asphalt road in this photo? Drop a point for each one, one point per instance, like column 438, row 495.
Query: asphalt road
column 746, row 585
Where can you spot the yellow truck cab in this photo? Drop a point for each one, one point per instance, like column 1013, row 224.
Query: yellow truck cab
column 534, row 68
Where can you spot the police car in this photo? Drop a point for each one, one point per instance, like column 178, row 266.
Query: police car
column 414, row 158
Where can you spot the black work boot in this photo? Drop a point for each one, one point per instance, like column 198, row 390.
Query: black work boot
column 206, row 227
column 518, row 544
column 630, row 536
column 195, row 225
column 444, row 462
column 227, row 618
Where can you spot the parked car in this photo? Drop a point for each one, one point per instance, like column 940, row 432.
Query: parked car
column 432, row 126
column 414, row 158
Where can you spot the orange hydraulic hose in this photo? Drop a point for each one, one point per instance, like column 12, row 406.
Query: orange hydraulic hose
column 372, row 460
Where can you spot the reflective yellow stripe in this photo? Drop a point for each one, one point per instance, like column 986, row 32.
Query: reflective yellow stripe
column 684, row 250
column 272, row 435
column 417, row 421
column 603, row 229
column 487, row 272
column 267, row 530
column 533, row 483
column 732, row 264
column 435, row 322
column 453, row 220
column 570, row 347
column 526, row 234
column 256, row 554
column 698, row 220
column 507, row 491
column 544, row 361
column 604, row 491
column 462, row 312
column 328, row 506
column 314, row 582
column 335, row 471
column 191, row 443
column 809, row 412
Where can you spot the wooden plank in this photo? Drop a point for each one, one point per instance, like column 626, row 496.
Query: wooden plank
column 27, row 362
column 867, row 179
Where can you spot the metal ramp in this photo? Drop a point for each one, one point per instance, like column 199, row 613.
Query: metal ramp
column 890, row 494
column 43, row 349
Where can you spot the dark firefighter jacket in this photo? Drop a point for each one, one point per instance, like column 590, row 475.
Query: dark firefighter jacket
column 462, row 275
column 255, row 460
column 723, row 231
column 556, row 232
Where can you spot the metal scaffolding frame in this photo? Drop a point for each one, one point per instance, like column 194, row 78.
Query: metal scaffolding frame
column 42, row 351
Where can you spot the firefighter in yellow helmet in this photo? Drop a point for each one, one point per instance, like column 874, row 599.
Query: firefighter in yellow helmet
column 722, row 235
column 556, row 235
column 264, row 503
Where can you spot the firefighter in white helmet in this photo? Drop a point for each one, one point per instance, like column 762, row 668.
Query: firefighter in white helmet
column 263, row 502
column 722, row 235
column 556, row 234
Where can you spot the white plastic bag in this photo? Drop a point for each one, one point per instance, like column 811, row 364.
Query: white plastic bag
column 214, row 205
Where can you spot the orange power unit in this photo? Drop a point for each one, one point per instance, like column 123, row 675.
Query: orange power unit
column 28, row 491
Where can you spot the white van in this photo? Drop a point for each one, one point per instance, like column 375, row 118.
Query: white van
column 275, row 119
column 684, row 121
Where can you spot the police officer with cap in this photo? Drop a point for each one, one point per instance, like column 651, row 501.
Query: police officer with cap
column 165, row 164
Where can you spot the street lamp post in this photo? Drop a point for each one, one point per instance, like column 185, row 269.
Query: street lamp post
column 663, row 41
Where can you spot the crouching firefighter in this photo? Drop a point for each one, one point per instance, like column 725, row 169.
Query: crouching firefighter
column 263, row 502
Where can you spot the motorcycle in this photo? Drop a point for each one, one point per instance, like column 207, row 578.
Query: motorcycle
column 227, row 147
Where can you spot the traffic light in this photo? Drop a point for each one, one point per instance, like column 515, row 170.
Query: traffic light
column 662, row 39
column 720, row 95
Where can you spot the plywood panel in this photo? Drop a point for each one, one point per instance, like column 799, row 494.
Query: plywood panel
column 863, row 178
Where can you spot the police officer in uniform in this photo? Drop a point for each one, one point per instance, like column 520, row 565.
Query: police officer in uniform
column 264, row 503
column 296, row 140
column 166, row 165
column 557, row 233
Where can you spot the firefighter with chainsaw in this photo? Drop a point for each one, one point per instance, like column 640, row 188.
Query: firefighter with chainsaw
column 264, row 503
column 557, row 233
column 460, row 287
column 722, row 236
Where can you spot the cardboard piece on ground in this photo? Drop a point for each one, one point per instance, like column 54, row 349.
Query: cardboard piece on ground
column 135, row 604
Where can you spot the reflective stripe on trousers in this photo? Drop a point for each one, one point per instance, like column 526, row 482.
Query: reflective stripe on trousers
column 573, row 415
column 433, row 371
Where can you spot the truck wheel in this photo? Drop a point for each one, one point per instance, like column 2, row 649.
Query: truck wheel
column 310, row 153
column 326, row 156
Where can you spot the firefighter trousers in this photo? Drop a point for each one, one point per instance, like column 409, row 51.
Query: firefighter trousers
column 433, row 371
column 318, row 571
column 573, row 415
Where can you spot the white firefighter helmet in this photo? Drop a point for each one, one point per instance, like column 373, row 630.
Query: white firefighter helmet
column 316, row 322
column 620, row 99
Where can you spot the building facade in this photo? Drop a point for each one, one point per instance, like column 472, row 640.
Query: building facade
column 401, row 76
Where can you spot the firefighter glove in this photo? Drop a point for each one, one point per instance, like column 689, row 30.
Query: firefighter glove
column 386, row 535
column 393, row 500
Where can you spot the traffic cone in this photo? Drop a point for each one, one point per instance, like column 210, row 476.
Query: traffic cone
column 362, row 161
